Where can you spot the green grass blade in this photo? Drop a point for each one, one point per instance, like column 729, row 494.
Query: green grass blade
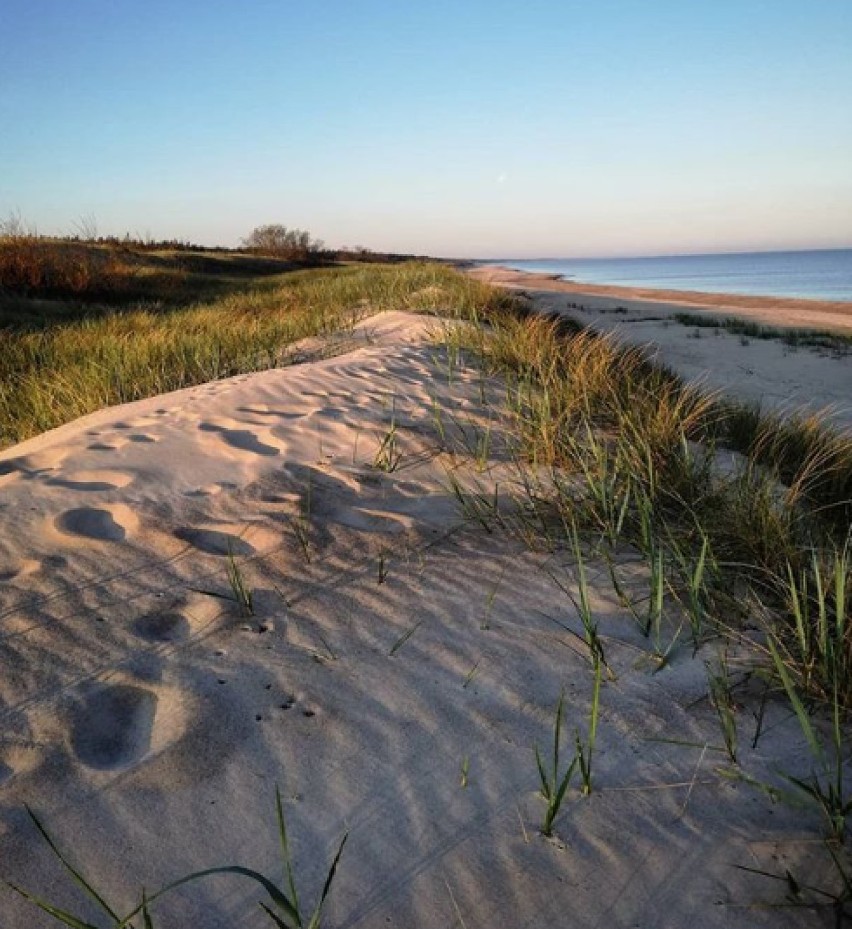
column 563, row 786
column 841, row 572
column 78, row 877
column 822, row 610
column 147, row 922
column 285, row 851
column 315, row 919
column 797, row 605
column 596, row 702
column 545, row 785
column 276, row 919
column 64, row 917
column 804, row 721
column 404, row 638
column 275, row 894
column 556, row 735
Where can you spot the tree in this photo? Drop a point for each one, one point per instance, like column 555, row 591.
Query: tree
column 280, row 242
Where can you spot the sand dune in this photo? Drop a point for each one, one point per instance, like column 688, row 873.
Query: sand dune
column 148, row 720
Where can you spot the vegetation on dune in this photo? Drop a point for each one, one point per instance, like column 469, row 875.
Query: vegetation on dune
column 635, row 456
column 33, row 266
column 62, row 370
column 836, row 342
column 86, row 274
column 281, row 903
column 738, row 521
column 44, row 281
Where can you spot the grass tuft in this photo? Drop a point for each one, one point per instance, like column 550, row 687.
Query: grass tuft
column 282, row 905
column 553, row 783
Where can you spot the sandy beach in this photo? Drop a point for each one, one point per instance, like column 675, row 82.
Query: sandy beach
column 393, row 678
column 767, row 372
column 773, row 311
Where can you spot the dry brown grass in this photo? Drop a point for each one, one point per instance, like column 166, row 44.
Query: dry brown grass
column 37, row 267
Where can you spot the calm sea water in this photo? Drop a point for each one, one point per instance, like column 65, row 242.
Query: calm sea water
column 820, row 275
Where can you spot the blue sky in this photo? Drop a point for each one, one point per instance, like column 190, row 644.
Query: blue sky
column 457, row 128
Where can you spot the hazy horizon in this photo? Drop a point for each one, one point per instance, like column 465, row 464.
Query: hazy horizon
column 481, row 131
column 626, row 257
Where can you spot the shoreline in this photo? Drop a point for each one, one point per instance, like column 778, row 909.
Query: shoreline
column 782, row 312
column 766, row 371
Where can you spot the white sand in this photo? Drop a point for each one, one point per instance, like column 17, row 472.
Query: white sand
column 148, row 722
column 767, row 372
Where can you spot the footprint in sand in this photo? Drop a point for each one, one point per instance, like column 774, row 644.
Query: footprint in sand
column 113, row 726
column 168, row 626
column 177, row 620
column 92, row 480
column 142, row 437
column 214, row 542
column 242, row 439
column 101, row 524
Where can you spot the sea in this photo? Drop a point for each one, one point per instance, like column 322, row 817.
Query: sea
column 817, row 275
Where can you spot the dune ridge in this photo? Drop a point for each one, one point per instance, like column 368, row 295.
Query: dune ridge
column 147, row 717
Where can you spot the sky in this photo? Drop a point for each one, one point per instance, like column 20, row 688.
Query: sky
column 548, row 128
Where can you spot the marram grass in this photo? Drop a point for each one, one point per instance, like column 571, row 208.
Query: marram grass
column 734, row 511
column 282, row 905
column 57, row 374
column 742, row 519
